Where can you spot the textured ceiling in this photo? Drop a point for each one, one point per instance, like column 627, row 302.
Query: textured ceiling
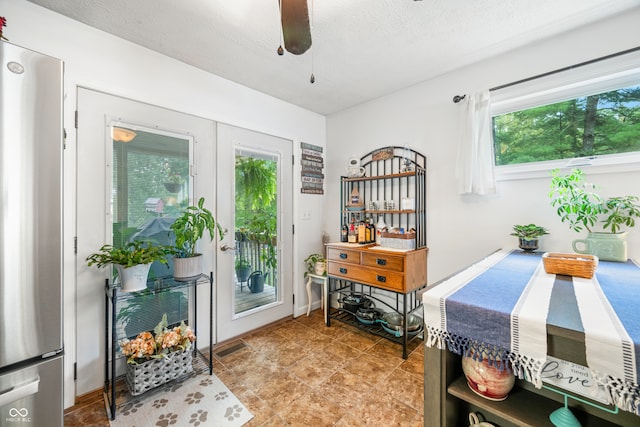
column 362, row 49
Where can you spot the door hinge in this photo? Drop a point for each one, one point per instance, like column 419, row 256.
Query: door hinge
column 64, row 138
column 75, row 245
column 75, row 371
column 76, row 119
column 294, row 299
column 293, row 159
column 293, row 229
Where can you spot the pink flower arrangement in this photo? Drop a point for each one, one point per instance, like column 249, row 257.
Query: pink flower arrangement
column 3, row 23
column 163, row 341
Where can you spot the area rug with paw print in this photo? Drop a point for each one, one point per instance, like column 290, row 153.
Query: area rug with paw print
column 200, row 401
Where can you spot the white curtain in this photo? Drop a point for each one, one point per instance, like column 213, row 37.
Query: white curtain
column 475, row 157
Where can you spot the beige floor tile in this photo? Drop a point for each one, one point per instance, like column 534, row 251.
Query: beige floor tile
column 302, row 373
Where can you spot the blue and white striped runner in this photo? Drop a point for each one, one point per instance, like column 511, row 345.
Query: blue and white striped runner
column 500, row 306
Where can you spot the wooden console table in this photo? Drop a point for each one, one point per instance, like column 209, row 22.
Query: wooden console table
column 401, row 273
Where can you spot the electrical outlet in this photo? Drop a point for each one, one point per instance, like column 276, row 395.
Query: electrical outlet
column 306, row 215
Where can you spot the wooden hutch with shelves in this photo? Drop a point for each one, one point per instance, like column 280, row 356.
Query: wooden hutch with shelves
column 393, row 189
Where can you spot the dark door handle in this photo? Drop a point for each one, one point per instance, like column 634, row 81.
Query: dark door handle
column 343, row 270
column 381, row 261
column 343, row 256
column 381, row 279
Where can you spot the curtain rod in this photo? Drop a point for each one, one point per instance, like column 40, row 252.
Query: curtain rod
column 459, row 98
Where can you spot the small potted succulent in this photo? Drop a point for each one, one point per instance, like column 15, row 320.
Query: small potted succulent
column 578, row 205
column 528, row 236
column 188, row 229
column 315, row 264
column 132, row 261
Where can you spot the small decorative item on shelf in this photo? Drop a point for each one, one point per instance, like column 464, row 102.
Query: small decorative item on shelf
column 492, row 381
column 156, row 358
column 398, row 239
column 476, row 420
column 528, row 236
column 355, row 202
column 578, row 265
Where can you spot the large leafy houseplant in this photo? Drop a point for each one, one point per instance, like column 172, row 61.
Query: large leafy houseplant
column 577, row 204
column 190, row 227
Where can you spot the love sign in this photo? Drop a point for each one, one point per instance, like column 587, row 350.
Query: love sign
column 572, row 377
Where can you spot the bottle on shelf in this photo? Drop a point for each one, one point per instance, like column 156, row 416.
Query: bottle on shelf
column 344, row 233
column 352, row 237
column 362, row 232
column 380, row 228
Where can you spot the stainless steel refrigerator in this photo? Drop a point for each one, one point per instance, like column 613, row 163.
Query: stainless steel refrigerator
column 31, row 146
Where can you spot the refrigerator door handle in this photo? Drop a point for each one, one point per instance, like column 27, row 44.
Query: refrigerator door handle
column 17, row 393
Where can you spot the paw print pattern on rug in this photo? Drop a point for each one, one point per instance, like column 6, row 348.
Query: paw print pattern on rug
column 131, row 408
column 195, row 397
column 206, row 382
column 222, row 395
column 167, row 419
column 233, row 412
column 160, row 403
column 198, row 417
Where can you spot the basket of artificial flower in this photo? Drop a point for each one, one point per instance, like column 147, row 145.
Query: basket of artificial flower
column 159, row 357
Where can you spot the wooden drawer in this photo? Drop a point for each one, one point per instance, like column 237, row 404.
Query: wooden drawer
column 344, row 255
column 377, row 277
column 383, row 261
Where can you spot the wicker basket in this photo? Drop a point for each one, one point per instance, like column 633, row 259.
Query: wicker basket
column 145, row 376
column 577, row 265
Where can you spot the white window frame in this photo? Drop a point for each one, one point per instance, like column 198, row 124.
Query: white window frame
column 597, row 77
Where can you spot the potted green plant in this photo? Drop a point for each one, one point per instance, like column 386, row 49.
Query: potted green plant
column 132, row 261
column 577, row 204
column 315, row 264
column 243, row 268
column 528, row 236
column 188, row 228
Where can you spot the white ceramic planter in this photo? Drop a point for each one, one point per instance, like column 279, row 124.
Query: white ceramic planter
column 133, row 279
column 185, row 268
column 320, row 268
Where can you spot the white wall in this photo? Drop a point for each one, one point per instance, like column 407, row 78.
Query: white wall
column 464, row 229
column 102, row 62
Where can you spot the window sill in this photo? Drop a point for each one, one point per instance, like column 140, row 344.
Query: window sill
column 615, row 163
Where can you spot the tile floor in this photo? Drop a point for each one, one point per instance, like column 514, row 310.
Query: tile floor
column 298, row 372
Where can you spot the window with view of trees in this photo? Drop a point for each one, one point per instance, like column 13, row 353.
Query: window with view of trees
column 593, row 125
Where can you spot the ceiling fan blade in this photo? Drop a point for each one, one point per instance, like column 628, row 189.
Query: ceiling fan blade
column 295, row 26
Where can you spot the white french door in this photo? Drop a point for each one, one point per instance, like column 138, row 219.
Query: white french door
column 121, row 194
column 254, row 173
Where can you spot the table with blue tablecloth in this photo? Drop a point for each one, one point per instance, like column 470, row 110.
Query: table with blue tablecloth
column 505, row 305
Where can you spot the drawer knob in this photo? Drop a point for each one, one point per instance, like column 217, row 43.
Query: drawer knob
column 381, row 261
column 343, row 270
column 343, row 256
column 381, row 278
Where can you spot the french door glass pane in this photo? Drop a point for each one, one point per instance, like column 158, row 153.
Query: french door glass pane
column 256, row 213
column 150, row 186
